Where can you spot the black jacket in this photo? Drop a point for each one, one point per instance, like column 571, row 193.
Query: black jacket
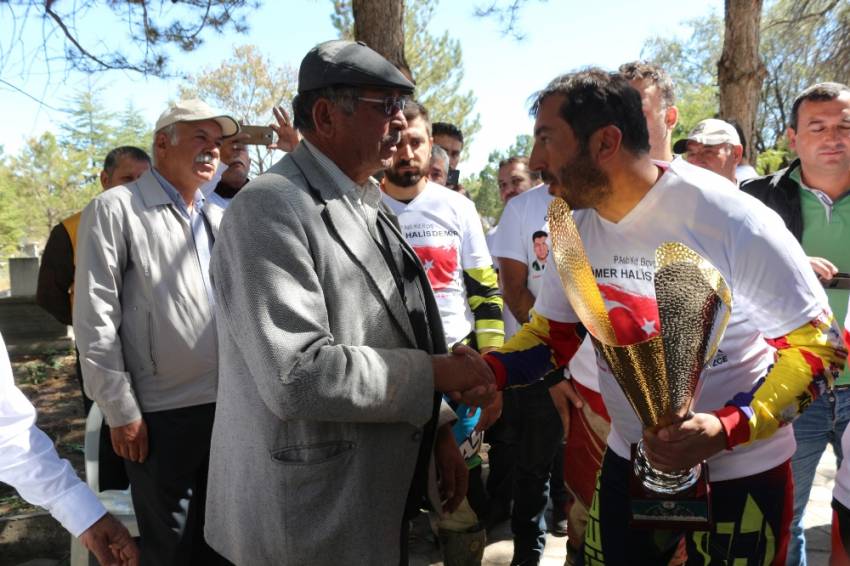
column 781, row 193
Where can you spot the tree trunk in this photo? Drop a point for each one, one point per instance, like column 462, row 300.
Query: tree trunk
column 740, row 71
column 380, row 24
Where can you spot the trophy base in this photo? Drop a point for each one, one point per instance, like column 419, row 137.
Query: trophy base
column 688, row 510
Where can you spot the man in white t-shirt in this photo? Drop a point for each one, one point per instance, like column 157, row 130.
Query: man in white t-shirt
column 526, row 444
column 522, row 239
column 590, row 133
column 443, row 228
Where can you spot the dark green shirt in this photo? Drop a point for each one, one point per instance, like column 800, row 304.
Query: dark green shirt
column 826, row 234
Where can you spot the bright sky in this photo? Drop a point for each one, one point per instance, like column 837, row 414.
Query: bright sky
column 502, row 72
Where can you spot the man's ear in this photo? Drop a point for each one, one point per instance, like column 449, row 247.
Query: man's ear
column 104, row 179
column 738, row 153
column 606, row 141
column 792, row 139
column 324, row 117
column 160, row 140
column 671, row 117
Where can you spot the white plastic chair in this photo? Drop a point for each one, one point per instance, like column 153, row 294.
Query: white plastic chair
column 117, row 502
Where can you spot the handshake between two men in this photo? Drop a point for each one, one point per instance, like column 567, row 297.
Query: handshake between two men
column 465, row 377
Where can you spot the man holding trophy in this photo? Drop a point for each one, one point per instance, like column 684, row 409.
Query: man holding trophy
column 683, row 284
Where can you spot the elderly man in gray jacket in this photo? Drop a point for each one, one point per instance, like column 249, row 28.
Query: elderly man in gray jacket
column 330, row 342
column 143, row 319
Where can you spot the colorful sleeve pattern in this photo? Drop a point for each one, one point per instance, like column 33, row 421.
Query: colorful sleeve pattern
column 808, row 360
column 540, row 346
column 485, row 301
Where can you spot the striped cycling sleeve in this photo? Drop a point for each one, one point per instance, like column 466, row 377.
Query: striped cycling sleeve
column 540, row 346
column 485, row 301
column 808, row 359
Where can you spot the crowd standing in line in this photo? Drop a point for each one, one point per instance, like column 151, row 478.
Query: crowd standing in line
column 292, row 367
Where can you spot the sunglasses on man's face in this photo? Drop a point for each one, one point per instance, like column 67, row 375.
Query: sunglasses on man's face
column 392, row 104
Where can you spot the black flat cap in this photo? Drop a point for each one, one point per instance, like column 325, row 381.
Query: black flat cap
column 349, row 63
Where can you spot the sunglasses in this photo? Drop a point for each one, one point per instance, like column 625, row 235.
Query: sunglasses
column 392, row 104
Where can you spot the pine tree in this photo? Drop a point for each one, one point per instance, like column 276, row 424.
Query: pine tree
column 436, row 63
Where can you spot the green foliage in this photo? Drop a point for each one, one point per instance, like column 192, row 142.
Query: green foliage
column 51, row 182
column 11, row 214
column 697, row 103
column 247, row 85
column 775, row 158
column 484, row 187
column 343, row 19
column 88, row 129
column 802, row 42
column 132, row 129
column 52, row 178
column 436, row 63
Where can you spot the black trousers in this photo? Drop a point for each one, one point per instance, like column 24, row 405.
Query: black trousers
column 169, row 488
column 111, row 473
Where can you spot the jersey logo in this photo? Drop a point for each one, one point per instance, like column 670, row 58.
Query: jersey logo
column 634, row 317
column 440, row 264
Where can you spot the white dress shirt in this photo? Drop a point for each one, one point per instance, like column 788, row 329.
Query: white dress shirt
column 30, row 464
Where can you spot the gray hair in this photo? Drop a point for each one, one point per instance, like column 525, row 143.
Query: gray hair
column 302, row 105
column 171, row 131
column 439, row 154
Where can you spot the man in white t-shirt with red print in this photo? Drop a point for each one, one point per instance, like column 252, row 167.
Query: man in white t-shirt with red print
column 443, row 228
column 516, row 245
column 591, row 134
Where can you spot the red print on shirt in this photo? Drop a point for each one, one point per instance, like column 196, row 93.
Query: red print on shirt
column 634, row 317
column 440, row 264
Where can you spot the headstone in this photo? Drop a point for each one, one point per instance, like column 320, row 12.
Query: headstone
column 23, row 276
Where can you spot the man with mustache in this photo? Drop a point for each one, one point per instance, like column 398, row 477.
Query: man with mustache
column 143, row 318
column 332, row 348
column 591, row 134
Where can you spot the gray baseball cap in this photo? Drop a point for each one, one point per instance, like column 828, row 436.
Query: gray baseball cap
column 710, row 131
column 349, row 63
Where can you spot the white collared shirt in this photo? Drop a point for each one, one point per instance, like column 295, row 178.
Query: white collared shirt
column 363, row 198
column 30, row 464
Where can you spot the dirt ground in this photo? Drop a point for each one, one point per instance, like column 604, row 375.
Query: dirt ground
column 48, row 381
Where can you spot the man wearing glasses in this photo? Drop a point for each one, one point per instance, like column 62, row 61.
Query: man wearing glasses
column 331, row 346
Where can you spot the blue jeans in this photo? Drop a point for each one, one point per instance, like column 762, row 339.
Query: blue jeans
column 538, row 425
column 822, row 423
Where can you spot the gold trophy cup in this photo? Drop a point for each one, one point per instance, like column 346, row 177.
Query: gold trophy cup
column 658, row 376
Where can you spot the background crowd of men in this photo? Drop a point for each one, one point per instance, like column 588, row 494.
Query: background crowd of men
column 292, row 368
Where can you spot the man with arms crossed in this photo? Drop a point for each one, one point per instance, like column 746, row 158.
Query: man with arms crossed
column 626, row 205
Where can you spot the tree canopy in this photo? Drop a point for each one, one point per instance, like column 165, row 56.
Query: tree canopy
column 153, row 29
column 436, row 63
column 247, row 85
column 802, row 43
column 52, row 177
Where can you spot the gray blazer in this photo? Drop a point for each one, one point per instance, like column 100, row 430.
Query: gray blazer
column 322, row 394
